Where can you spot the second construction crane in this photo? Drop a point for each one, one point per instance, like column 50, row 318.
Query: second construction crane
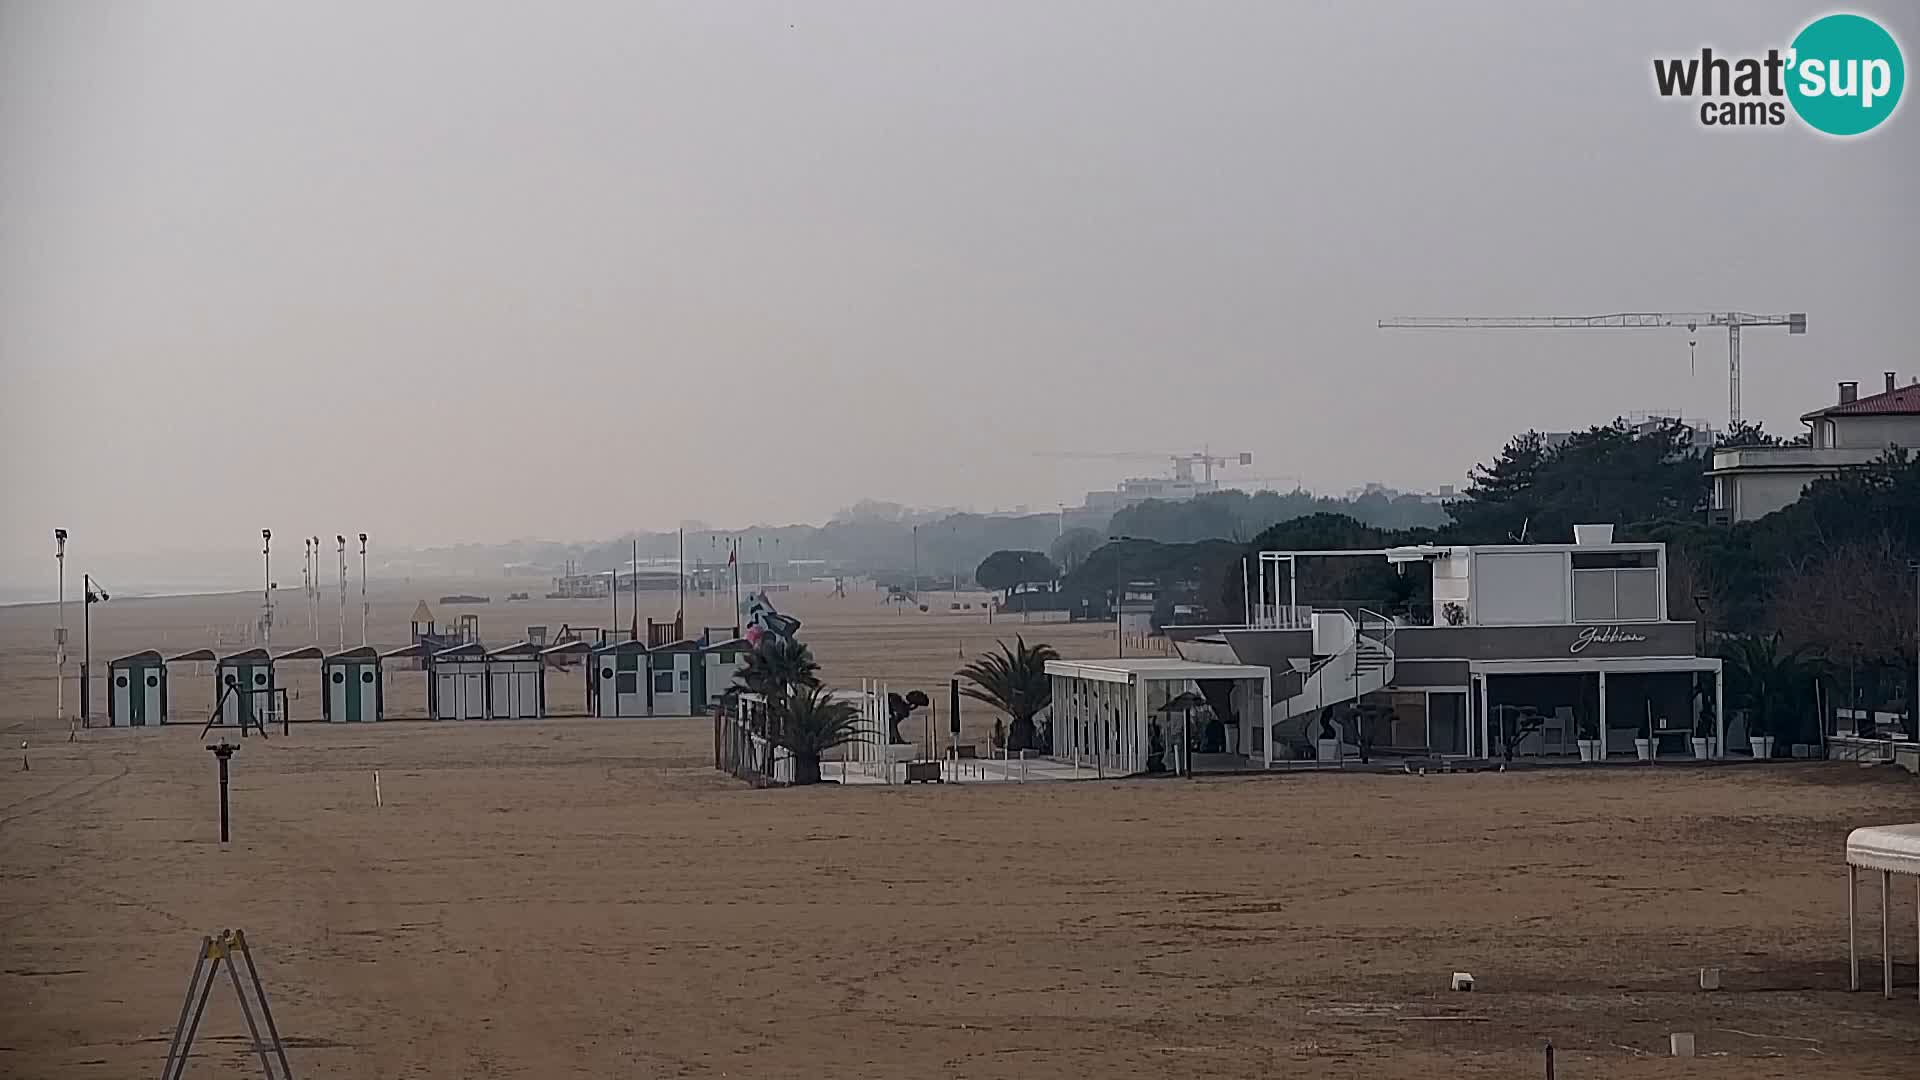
column 1796, row 323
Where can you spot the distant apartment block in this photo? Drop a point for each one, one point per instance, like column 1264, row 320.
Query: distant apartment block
column 1753, row 481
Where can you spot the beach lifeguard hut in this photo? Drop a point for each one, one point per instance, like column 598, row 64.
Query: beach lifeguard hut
column 139, row 695
column 352, row 687
column 457, row 683
column 617, row 679
column 516, row 683
column 671, row 668
column 238, row 679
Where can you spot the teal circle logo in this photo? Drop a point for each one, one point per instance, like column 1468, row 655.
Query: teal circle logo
column 1845, row 75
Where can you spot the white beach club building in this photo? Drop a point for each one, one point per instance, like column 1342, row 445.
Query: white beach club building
column 1571, row 642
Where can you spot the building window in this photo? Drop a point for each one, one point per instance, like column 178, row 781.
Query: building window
column 153, row 680
column 120, row 681
column 366, row 676
column 339, row 677
column 1625, row 594
column 663, row 682
column 627, row 683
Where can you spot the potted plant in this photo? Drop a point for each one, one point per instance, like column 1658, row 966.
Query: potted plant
column 1589, row 740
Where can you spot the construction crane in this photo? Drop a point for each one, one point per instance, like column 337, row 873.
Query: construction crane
column 1796, row 323
column 1183, row 464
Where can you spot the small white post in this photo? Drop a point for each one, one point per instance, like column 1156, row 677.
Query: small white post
column 1886, row 939
column 376, row 789
column 1853, row 937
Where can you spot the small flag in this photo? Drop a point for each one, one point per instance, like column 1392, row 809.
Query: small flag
column 732, row 554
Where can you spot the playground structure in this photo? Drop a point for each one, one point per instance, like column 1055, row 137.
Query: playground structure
column 426, row 634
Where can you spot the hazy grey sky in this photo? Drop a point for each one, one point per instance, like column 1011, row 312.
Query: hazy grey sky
column 447, row 271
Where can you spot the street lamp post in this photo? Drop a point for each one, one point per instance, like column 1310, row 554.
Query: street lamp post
column 60, row 633
column 363, row 588
column 86, row 637
column 1119, row 598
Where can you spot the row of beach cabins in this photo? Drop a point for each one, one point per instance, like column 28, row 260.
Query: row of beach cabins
column 467, row 681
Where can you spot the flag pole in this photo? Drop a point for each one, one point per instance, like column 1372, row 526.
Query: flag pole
column 734, row 558
column 682, row 614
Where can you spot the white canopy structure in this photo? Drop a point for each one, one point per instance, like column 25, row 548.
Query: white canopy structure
column 1103, row 710
column 1890, row 849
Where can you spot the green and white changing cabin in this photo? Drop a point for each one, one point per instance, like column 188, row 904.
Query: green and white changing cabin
column 671, row 670
column 139, row 695
column 251, row 670
column 720, row 663
column 617, row 679
column 353, row 689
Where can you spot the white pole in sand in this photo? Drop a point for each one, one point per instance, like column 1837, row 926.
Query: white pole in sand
column 376, row 788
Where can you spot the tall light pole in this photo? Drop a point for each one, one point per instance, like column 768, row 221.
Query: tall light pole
column 363, row 588
column 266, row 589
column 86, row 636
column 1119, row 598
column 60, row 632
column 313, row 595
column 342, row 541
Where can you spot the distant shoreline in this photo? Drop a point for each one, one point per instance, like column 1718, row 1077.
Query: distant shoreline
column 122, row 598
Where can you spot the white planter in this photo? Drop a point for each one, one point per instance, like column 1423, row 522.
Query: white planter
column 1713, row 747
column 1762, row 746
column 1643, row 748
column 1329, row 749
column 1702, row 748
column 1589, row 749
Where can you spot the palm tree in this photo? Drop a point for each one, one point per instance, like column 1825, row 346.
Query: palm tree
column 1015, row 681
column 809, row 723
column 775, row 667
column 1773, row 685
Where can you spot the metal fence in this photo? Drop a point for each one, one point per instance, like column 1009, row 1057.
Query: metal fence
column 742, row 752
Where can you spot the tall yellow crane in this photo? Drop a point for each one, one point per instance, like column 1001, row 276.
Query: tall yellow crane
column 1796, row 323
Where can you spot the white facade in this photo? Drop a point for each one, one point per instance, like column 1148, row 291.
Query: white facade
column 722, row 662
column 515, row 690
column 671, row 671
column 460, row 686
column 620, row 680
column 1751, row 482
